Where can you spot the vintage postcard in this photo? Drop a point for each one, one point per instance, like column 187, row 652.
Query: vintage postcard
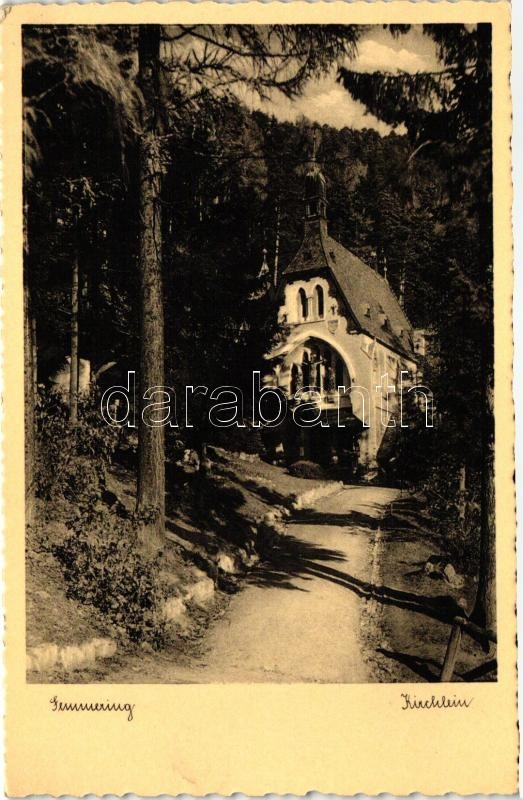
column 258, row 429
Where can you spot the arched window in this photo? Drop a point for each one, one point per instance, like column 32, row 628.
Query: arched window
column 303, row 305
column 318, row 292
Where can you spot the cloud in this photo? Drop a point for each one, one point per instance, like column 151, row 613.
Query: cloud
column 374, row 56
column 336, row 107
column 327, row 103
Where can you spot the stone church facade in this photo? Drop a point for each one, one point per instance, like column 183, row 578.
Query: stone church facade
column 344, row 328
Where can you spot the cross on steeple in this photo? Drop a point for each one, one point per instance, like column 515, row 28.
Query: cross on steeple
column 315, row 189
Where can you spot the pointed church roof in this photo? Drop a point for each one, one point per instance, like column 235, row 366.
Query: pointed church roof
column 368, row 296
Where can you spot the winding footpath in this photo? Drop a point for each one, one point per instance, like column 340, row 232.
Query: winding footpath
column 302, row 617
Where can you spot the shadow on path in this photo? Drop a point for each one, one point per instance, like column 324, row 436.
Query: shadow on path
column 356, row 519
column 430, row 670
column 290, row 558
column 294, row 558
column 427, row 668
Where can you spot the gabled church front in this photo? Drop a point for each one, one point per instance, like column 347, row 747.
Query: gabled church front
column 344, row 328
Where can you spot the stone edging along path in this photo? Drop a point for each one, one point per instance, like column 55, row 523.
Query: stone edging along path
column 47, row 656
column 44, row 657
column 308, row 498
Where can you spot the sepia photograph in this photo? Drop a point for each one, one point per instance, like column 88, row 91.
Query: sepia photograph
column 259, row 356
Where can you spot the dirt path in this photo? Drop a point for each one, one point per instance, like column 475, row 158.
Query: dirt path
column 299, row 617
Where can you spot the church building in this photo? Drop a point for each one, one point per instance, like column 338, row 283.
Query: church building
column 344, row 328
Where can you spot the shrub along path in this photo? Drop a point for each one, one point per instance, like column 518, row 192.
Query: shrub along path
column 205, row 530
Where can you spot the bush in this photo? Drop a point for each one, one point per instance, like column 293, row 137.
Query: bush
column 72, row 462
column 307, row 469
column 104, row 567
column 460, row 536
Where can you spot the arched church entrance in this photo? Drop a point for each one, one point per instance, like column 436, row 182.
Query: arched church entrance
column 316, row 371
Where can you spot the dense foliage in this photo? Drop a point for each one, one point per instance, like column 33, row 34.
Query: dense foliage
column 104, row 567
column 73, row 464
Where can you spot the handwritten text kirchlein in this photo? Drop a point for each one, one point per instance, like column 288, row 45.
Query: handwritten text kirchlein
column 412, row 702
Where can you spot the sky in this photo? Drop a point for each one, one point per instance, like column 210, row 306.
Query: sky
column 325, row 101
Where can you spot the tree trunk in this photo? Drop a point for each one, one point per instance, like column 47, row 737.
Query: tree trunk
column 484, row 612
column 462, row 494
column 203, row 437
column 401, row 296
column 73, row 371
column 34, row 356
column 203, row 458
column 277, row 245
column 29, row 413
column 151, row 450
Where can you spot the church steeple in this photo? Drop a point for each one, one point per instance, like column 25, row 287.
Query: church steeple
column 315, row 188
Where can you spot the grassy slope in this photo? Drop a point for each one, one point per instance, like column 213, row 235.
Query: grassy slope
column 409, row 633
